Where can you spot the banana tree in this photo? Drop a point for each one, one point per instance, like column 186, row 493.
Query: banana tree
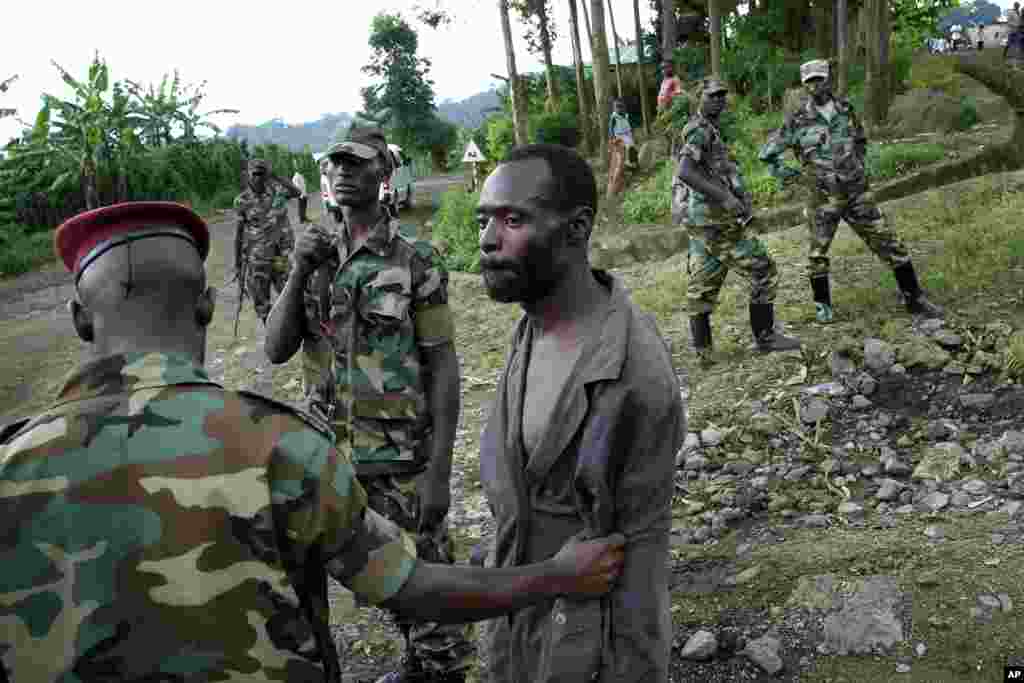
column 78, row 131
column 161, row 110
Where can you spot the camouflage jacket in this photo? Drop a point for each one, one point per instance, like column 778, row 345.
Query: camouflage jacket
column 377, row 305
column 833, row 150
column 154, row 527
column 703, row 144
column 264, row 215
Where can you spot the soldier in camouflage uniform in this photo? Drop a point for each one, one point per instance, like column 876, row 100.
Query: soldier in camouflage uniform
column 156, row 527
column 263, row 237
column 827, row 138
column 379, row 301
column 719, row 208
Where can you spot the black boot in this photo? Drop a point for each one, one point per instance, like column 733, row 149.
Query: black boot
column 914, row 298
column 700, row 333
column 822, row 298
column 766, row 338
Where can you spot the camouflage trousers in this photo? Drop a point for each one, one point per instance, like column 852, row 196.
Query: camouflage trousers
column 268, row 264
column 430, row 647
column 860, row 211
column 714, row 250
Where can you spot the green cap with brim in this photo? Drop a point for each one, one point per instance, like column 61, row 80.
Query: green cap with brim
column 365, row 143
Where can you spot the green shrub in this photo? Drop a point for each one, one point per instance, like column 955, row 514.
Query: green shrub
column 888, row 161
column 651, row 201
column 968, row 114
column 501, row 137
column 455, row 225
column 22, row 250
column 559, row 128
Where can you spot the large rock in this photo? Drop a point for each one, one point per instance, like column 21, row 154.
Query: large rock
column 764, row 652
column 869, row 618
column 701, row 645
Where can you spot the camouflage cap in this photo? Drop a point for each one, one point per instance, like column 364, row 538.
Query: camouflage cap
column 713, row 86
column 82, row 239
column 813, row 69
column 259, row 163
column 362, row 142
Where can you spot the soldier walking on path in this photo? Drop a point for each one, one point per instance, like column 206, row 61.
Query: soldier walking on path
column 157, row 527
column 380, row 301
column 263, row 236
column 826, row 136
column 719, row 210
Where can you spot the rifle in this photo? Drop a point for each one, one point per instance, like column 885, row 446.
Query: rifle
column 243, row 263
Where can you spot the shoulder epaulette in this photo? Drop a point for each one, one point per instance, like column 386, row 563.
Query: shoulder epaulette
column 310, row 420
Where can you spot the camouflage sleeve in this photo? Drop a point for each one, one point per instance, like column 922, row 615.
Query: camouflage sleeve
column 431, row 313
column 695, row 142
column 365, row 552
column 777, row 144
column 238, row 208
column 857, row 128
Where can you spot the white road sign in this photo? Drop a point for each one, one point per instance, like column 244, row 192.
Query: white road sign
column 472, row 153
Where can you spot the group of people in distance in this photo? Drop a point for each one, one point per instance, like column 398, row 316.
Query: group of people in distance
column 158, row 526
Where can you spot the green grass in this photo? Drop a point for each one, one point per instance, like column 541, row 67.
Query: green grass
column 22, row 251
column 885, row 162
column 455, row 226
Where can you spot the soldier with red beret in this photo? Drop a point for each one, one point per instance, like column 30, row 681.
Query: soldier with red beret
column 155, row 526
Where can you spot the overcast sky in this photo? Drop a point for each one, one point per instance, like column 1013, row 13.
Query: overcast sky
column 259, row 59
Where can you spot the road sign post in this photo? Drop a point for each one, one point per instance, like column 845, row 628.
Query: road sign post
column 473, row 156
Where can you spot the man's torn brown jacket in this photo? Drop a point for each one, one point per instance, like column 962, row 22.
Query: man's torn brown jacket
column 605, row 464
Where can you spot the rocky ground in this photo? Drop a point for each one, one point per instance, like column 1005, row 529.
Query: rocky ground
column 851, row 512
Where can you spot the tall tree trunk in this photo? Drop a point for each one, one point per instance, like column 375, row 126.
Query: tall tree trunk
column 586, row 116
column 92, row 195
column 615, row 41
column 842, row 49
column 602, row 92
column 824, row 44
column 545, row 45
column 644, row 104
column 586, row 25
column 876, row 85
column 715, row 14
column 884, row 66
column 519, row 122
column 668, row 30
column 872, row 87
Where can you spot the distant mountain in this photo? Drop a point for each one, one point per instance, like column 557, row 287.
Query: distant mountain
column 316, row 134
column 471, row 111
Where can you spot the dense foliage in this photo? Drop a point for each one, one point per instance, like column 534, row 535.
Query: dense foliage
column 112, row 141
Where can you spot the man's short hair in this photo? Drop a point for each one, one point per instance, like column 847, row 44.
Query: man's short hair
column 572, row 179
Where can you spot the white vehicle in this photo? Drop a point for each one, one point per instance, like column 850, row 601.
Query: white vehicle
column 398, row 189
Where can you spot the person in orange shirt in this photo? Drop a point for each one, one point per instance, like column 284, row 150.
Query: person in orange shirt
column 670, row 86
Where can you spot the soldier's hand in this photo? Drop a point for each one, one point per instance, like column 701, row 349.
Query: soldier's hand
column 311, row 250
column 591, row 568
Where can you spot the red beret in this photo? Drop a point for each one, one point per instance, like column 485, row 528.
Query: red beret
column 78, row 236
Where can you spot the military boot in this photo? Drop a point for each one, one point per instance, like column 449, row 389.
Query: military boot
column 822, row 298
column 700, row 333
column 766, row 337
column 913, row 297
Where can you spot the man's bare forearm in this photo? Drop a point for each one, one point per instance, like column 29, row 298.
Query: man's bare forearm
column 443, row 399
column 287, row 320
column 452, row 594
